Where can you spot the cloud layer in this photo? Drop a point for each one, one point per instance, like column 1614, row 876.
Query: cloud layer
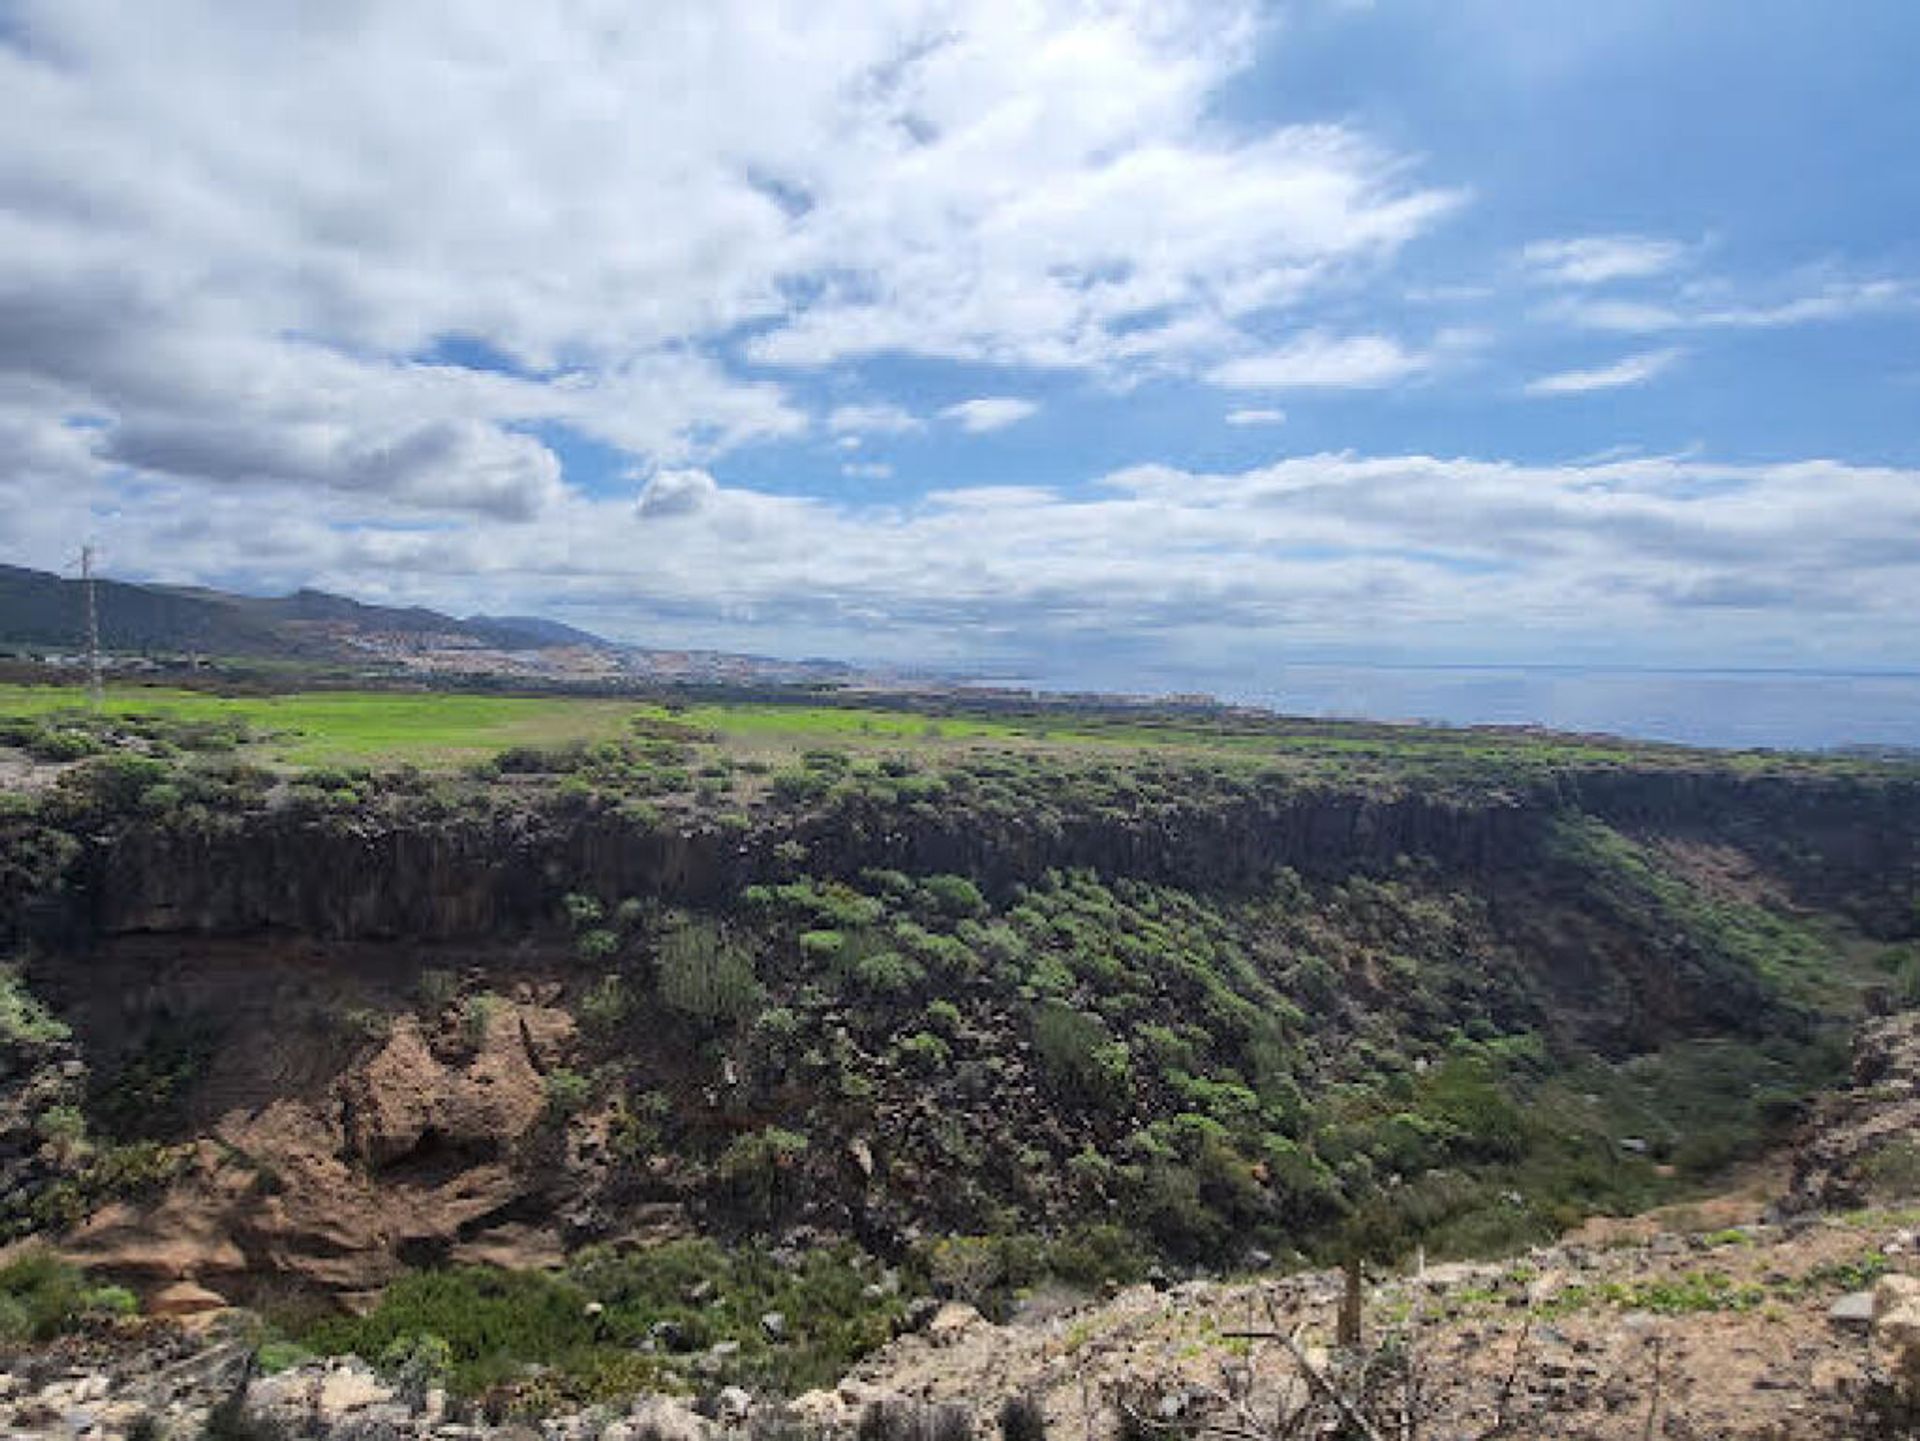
column 1675, row 558
column 247, row 247
column 343, row 295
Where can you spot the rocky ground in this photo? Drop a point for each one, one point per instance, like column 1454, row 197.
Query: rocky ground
column 1746, row 1316
column 1665, row 1329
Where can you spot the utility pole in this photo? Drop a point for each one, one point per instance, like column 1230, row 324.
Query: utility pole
column 95, row 690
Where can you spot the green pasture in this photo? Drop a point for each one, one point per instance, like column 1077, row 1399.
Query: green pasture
column 447, row 728
column 349, row 727
column 444, row 728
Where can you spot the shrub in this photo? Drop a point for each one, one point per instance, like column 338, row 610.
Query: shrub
column 754, row 1168
column 1079, row 1051
column 795, row 787
column 436, row 989
column 596, row 945
column 477, row 1016
column 42, row 1297
column 567, row 1091
column 898, row 1419
column 923, row 1051
column 706, row 975
column 580, row 910
column 953, row 895
column 886, row 973
column 606, row 1003
column 23, row 1019
column 1091, row 1254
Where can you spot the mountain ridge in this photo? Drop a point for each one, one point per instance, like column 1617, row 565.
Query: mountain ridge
column 43, row 609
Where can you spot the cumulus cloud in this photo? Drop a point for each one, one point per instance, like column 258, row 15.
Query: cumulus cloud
column 1256, row 416
column 1632, row 370
column 1701, row 560
column 1318, row 360
column 989, row 412
column 673, row 493
column 250, row 242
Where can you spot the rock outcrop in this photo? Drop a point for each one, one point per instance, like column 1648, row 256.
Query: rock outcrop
column 1864, row 1143
column 426, row 1150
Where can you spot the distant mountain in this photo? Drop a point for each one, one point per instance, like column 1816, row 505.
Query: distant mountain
column 47, row 611
column 42, row 610
column 530, row 632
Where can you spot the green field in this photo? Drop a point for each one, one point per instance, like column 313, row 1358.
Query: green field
column 341, row 727
column 444, row 728
column 436, row 729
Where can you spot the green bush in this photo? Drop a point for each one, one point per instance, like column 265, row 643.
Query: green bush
column 477, row 1016
column 1080, row 1052
column 24, row 1021
column 706, row 975
column 755, row 1169
column 605, row 1004
column 436, row 990
column 1094, row 1253
column 42, row 1297
column 567, row 1091
column 596, row 945
column 923, row 1052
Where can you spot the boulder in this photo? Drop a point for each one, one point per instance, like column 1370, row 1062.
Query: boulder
column 347, row 1389
column 185, row 1298
column 951, row 1322
column 1853, row 1312
column 1896, row 1324
column 664, row 1419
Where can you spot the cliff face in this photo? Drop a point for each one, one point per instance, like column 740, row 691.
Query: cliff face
column 1846, row 846
column 1843, row 843
column 1155, row 1027
column 392, row 878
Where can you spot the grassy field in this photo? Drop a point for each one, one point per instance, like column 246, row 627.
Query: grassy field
column 446, row 728
column 348, row 727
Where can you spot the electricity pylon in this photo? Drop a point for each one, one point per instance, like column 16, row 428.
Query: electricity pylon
column 96, row 692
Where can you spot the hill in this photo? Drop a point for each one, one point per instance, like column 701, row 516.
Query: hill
column 40, row 609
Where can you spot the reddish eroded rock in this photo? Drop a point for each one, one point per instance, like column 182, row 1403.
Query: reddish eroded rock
column 409, row 1156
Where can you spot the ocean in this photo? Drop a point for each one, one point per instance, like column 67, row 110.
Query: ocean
column 1776, row 709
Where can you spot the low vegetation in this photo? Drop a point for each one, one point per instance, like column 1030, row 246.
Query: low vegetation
column 1017, row 997
column 677, row 1317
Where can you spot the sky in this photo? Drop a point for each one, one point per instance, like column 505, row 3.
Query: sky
column 1094, row 343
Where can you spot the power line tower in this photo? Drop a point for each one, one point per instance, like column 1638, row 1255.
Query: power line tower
column 95, row 690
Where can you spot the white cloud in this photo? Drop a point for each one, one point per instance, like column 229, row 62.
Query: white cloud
column 253, row 242
column 989, row 412
column 880, row 419
column 1598, row 259
column 867, row 470
column 670, row 494
column 1632, row 370
column 1709, row 561
column 1712, row 307
column 1256, row 417
column 1320, row 360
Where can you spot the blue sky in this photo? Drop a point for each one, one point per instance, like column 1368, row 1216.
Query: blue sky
column 1091, row 343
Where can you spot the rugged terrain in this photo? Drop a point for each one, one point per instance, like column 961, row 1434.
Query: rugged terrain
column 965, row 1005
column 1725, row 1318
